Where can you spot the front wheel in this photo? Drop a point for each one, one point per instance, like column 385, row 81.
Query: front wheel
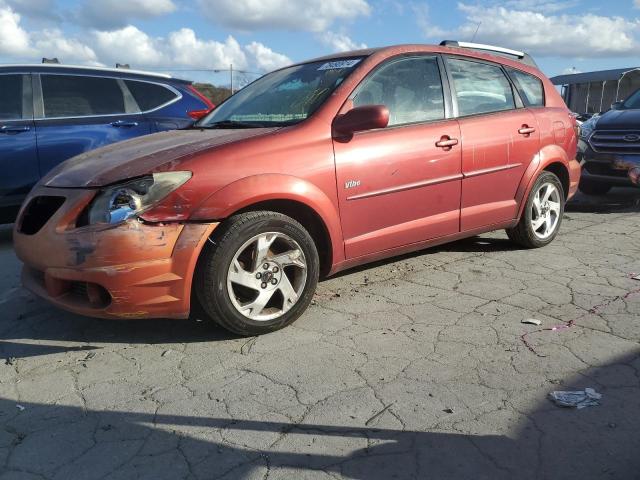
column 258, row 274
column 542, row 215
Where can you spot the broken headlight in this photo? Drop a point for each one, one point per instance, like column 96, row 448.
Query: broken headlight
column 117, row 203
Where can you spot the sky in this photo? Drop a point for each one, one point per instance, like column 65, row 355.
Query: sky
column 191, row 38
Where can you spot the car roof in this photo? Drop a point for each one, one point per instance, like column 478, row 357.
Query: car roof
column 392, row 50
column 79, row 69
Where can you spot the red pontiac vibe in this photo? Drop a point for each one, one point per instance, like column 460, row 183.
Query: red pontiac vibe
column 310, row 170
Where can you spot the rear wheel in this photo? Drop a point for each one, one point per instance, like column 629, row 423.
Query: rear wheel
column 590, row 187
column 259, row 274
column 542, row 215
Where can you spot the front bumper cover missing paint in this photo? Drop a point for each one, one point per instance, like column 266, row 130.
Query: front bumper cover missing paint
column 131, row 270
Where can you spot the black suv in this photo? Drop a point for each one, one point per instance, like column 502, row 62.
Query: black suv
column 609, row 148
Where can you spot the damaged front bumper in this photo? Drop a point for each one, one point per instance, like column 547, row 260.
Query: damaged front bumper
column 130, row 270
column 619, row 169
column 632, row 165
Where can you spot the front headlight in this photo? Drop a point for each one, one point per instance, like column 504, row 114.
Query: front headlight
column 117, row 203
column 586, row 129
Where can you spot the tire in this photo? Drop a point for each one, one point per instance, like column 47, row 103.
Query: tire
column 263, row 251
column 591, row 187
column 525, row 232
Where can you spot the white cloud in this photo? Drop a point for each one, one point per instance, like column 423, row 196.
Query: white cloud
column 266, row 59
column 541, row 6
column 14, row 40
column 339, row 42
column 570, row 70
column 421, row 12
column 584, row 35
column 107, row 14
column 186, row 49
column 307, row 15
column 19, row 45
column 54, row 43
column 128, row 45
column 180, row 49
column 38, row 9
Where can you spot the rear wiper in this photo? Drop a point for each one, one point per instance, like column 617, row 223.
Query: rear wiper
column 229, row 124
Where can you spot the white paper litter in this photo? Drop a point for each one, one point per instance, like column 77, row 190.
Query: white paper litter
column 532, row 321
column 576, row 399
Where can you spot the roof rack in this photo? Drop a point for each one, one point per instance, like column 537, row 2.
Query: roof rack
column 501, row 51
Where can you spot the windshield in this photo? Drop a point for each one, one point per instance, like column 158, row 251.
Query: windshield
column 284, row 97
column 633, row 102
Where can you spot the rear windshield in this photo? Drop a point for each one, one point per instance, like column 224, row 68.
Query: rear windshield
column 284, row 97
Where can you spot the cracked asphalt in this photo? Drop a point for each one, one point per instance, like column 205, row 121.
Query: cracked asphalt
column 418, row 367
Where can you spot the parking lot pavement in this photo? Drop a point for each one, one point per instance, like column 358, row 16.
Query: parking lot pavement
column 412, row 368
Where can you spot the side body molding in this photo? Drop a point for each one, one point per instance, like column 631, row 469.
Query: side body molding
column 264, row 187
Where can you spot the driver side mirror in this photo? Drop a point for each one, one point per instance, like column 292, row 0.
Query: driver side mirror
column 617, row 105
column 360, row 119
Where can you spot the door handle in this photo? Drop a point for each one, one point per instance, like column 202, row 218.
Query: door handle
column 446, row 143
column 124, row 124
column 526, row 130
column 14, row 129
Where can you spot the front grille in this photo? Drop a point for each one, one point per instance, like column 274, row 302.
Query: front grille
column 38, row 213
column 616, row 141
column 79, row 289
column 95, row 295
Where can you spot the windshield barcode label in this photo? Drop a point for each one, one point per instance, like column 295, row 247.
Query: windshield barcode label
column 340, row 64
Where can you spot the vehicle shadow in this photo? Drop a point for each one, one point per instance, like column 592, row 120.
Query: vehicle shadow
column 549, row 442
column 60, row 326
column 619, row 200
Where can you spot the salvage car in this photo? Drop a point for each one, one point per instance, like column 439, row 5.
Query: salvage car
column 609, row 148
column 310, row 170
column 49, row 113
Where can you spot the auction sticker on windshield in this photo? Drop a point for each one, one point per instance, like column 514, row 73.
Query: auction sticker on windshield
column 340, row 64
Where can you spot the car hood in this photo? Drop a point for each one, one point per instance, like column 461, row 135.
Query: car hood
column 140, row 156
column 619, row 120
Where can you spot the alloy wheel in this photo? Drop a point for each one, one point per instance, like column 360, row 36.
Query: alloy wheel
column 545, row 211
column 267, row 275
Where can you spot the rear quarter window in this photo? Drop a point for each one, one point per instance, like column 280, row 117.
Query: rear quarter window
column 79, row 96
column 150, row 95
column 529, row 87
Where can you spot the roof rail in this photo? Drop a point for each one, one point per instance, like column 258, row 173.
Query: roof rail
column 501, row 51
column 88, row 68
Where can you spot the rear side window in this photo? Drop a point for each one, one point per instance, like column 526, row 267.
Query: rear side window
column 410, row 88
column 77, row 96
column 149, row 95
column 10, row 97
column 480, row 87
column 529, row 87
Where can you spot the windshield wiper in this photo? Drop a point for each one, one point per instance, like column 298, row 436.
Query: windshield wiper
column 229, row 124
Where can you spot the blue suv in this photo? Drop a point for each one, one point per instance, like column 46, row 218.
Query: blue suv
column 49, row 113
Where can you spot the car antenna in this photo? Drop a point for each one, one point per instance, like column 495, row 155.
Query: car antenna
column 476, row 32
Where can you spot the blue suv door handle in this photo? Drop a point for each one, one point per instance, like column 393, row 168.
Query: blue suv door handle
column 124, row 124
column 14, row 129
